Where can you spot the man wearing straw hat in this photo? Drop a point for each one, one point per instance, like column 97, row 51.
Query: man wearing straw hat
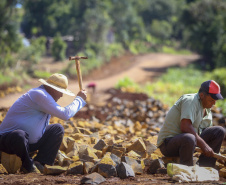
column 26, row 125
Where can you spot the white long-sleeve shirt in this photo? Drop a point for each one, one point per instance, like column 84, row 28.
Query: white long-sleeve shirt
column 32, row 111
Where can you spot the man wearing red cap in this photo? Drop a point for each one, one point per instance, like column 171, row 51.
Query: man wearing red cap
column 189, row 124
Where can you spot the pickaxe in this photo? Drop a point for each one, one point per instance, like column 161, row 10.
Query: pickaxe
column 79, row 73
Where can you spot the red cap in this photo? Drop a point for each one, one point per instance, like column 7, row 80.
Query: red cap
column 212, row 88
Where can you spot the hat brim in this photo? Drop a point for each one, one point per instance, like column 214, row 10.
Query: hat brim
column 65, row 91
column 216, row 96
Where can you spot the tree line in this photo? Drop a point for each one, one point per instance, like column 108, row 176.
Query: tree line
column 103, row 29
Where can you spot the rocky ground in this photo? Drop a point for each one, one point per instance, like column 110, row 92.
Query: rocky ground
column 114, row 127
column 100, row 137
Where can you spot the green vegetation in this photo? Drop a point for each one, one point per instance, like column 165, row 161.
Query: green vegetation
column 8, row 79
column 176, row 82
column 58, row 48
column 127, row 83
column 41, row 74
column 101, row 30
column 34, row 52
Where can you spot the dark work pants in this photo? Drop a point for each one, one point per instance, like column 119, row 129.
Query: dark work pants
column 16, row 142
column 183, row 146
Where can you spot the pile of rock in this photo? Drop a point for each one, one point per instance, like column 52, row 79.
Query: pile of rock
column 118, row 139
column 9, row 90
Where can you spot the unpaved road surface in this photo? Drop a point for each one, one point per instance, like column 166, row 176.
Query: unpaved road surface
column 140, row 69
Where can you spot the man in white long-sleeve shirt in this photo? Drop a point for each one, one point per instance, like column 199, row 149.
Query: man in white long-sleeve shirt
column 26, row 126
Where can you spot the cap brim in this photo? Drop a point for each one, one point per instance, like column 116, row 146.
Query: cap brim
column 216, row 96
column 65, row 91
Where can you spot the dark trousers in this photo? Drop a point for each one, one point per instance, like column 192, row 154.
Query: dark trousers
column 16, row 142
column 183, row 146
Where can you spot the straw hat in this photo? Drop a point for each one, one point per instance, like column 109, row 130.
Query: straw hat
column 58, row 82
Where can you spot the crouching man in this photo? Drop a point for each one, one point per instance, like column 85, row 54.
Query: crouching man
column 26, row 126
column 189, row 124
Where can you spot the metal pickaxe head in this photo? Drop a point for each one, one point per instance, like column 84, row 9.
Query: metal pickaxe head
column 79, row 74
column 77, row 58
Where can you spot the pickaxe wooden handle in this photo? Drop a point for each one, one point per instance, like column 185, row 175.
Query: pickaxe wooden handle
column 217, row 156
column 79, row 73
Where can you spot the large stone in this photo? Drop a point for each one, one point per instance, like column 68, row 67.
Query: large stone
column 93, row 179
column 75, row 168
column 100, row 145
column 107, row 170
column 61, row 157
column 72, row 146
column 117, row 152
column 150, row 147
column 54, row 170
column 124, row 170
column 88, row 167
column 155, row 165
column 107, row 159
column 115, row 158
column 136, row 166
column 139, row 147
column 87, row 154
column 11, row 163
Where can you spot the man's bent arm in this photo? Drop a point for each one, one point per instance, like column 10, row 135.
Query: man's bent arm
column 186, row 127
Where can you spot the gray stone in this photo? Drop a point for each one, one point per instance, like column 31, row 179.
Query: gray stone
column 124, row 170
column 115, row 158
column 100, row 145
column 150, row 147
column 155, row 165
column 93, row 179
column 88, row 167
column 135, row 165
column 161, row 171
column 107, row 170
column 75, row 168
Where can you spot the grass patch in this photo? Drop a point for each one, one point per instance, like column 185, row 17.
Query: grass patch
column 41, row 74
column 9, row 78
column 176, row 82
column 5, row 79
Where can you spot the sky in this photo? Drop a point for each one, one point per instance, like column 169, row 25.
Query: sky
column 18, row 5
